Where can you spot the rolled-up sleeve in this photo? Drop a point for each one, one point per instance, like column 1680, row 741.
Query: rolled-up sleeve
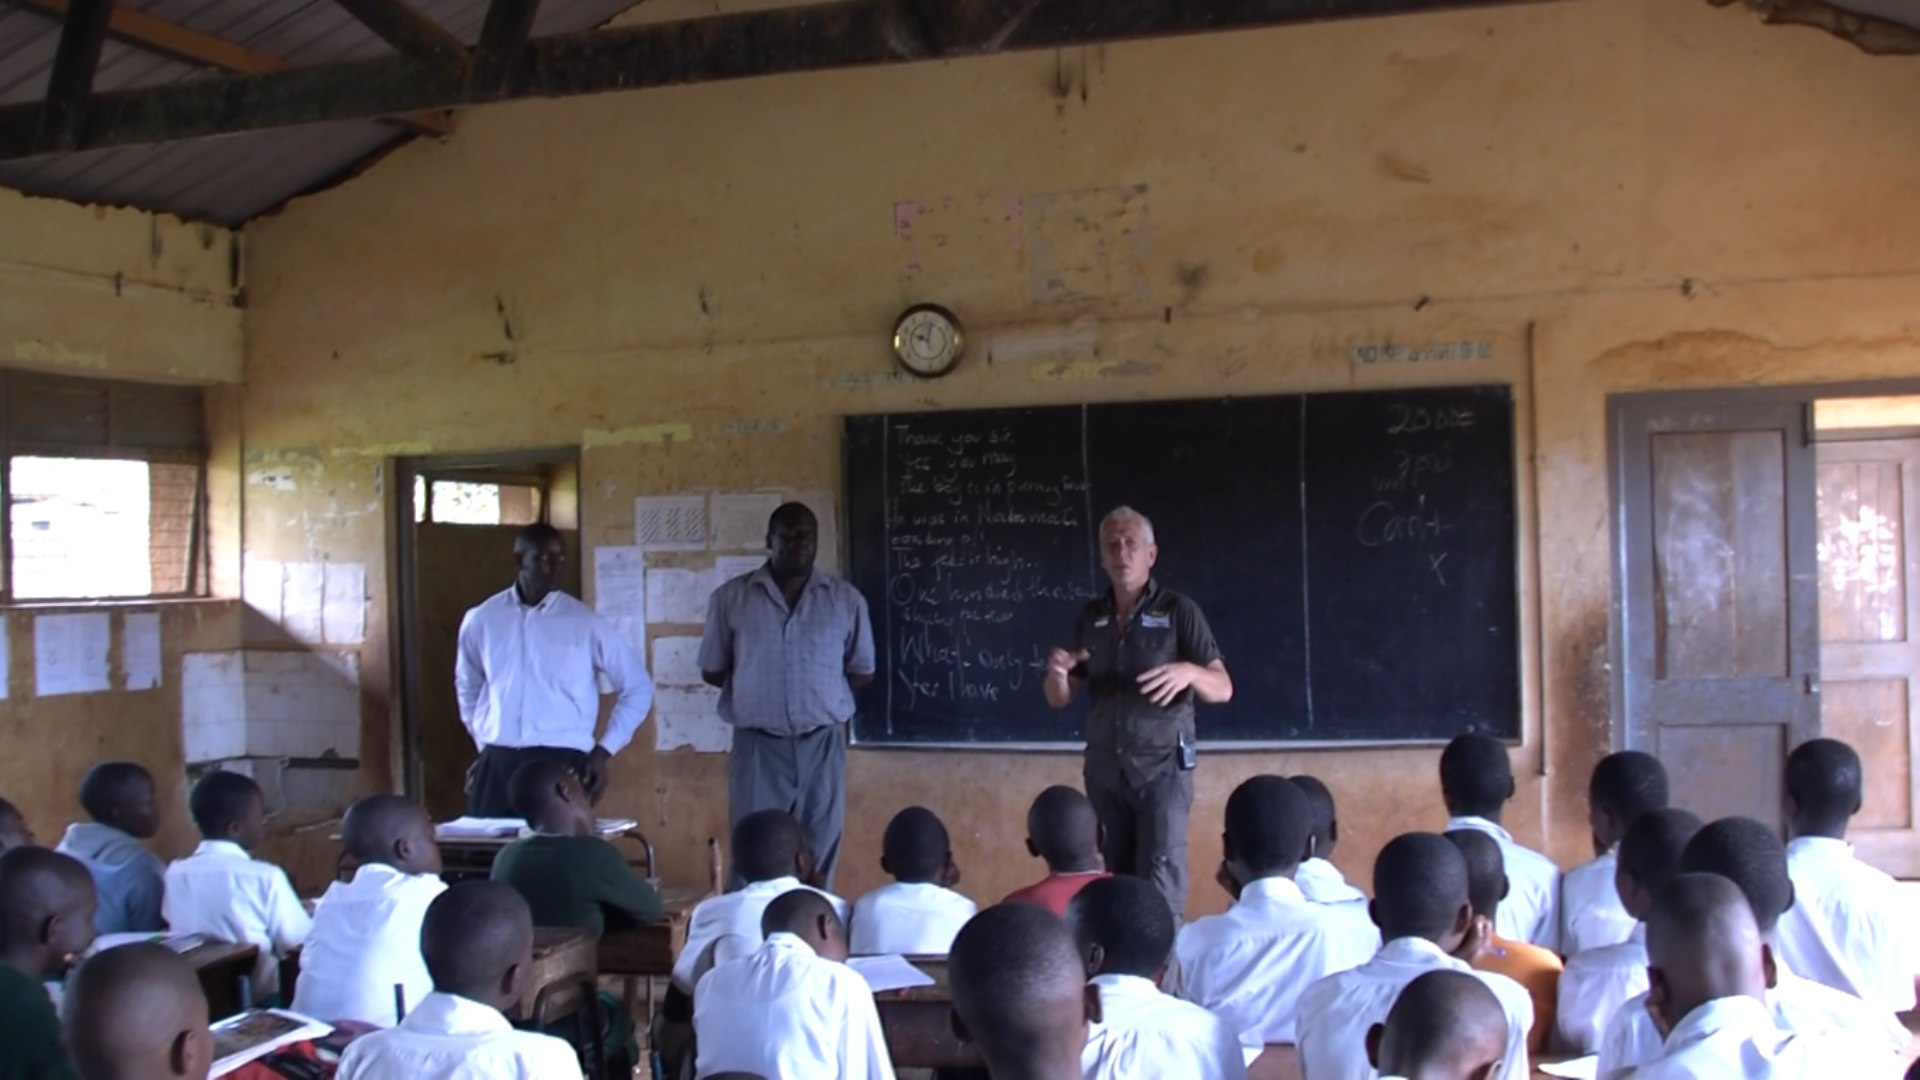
column 616, row 661
column 860, row 639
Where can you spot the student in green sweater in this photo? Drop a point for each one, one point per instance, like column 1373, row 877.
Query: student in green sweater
column 569, row 876
column 46, row 919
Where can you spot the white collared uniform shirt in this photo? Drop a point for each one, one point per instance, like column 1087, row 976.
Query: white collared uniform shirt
column 1594, row 984
column 1848, row 927
column 224, row 893
column 1336, row 1012
column 1531, row 911
column 1736, row 1038
column 1591, row 914
column 454, row 1038
column 1321, row 882
column 727, row 926
column 365, row 942
column 1799, row 1006
column 1143, row 1032
column 531, row 676
column 1250, row 964
column 782, row 1011
column 911, row 919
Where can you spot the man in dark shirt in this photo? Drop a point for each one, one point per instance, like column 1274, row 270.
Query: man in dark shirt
column 1146, row 654
column 569, row 876
column 46, row 919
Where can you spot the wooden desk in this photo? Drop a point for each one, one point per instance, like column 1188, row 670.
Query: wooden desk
column 918, row 1026
column 225, row 968
column 558, row 953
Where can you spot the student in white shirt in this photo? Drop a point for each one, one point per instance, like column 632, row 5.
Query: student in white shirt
column 1595, row 983
column 1421, row 904
column 477, row 939
column 1124, row 929
column 1318, row 878
column 1476, row 780
column 223, row 892
column 1020, row 993
column 1849, row 927
column 1624, row 786
column 1751, row 856
column 362, row 960
column 919, row 913
column 1251, row 963
column 137, row 1012
column 770, row 851
column 1708, row 972
column 1445, row 1025
column 792, row 1007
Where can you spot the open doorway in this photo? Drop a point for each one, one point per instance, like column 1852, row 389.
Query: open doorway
column 456, row 532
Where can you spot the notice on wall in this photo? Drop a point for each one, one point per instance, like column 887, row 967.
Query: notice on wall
column 678, row 596
column 262, row 586
column 728, row 567
column 670, row 522
column 303, row 607
column 6, row 660
column 619, row 582
column 140, row 650
column 343, row 615
column 70, row 654
column 740, row 519
column 676, row 662
column 687, row 717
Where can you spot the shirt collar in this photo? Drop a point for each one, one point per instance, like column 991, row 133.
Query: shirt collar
column 1491, row 828
column 1272, row 890
column 1824, row 847
column 1147, row 596
column 225, row 849
column 1418, row 950
column 775, row 887
column 1742, row 1014
column 511, row 597
column 1132, row 986
column 451, row 1014
column 781, row 941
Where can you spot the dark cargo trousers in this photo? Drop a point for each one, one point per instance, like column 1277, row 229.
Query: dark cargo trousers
column 1146, row 823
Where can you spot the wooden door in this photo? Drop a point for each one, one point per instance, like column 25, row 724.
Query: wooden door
column 1869, row 649
column 1719, row 642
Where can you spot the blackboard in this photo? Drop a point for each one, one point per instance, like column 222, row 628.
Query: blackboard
column 1354, row 553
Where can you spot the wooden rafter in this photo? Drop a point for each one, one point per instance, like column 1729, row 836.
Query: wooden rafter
column 842, row 34
column 503, row 44
column 402, row 26
column 63, row 115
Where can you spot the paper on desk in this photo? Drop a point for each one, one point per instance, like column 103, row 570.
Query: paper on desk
column 257, row 1033
column 1580, row 1068
column 885, row 973
column 180, row 943
column 480, row 827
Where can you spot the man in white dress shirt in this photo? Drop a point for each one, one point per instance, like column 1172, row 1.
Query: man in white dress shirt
column 1597, row 982
column 770, row 851
column 528, row 675
column 1124, row 929
column 1251, row 963
column 1751, row 856
column 1020, row 993
column 1444, row 1026
column 1849, row 927
column 1476, row 780
column 919, row 914
column 478, row 942
column 792, row 1007
column 1624, row 786
column 1317, row 877
column 362, row 960
column 1708, row 970
column 1421, row 904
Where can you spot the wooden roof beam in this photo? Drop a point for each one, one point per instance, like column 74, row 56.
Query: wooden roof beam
column 63, row 115
column 402, row 26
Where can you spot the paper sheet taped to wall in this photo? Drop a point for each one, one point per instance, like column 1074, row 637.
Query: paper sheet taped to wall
column 676, row 662
column 740, row 519
column 70, row 654
column 670, row 522
column 678, row 596
column 686, row 717
column 619, row 581
column 140, row 650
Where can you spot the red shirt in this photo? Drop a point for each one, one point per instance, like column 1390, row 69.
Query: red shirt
column 1055, row 890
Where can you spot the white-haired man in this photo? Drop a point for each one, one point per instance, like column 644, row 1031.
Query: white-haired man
column 1146, row 654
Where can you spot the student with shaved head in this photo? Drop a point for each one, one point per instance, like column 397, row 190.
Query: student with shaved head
column 791, row 1007
column 477, row 939
column 1708, row 971
column 225, row 893
column 1529, row 965
column 119, row 796
column 1624, row 786
column 920, row 912
column 1064, row 832
column 1445, row 1025
column 362, row 960
column 46, row 920
column 1319, row 880
column 1476, row 782
column 771, row 854
column 137, row 1013
column 1421, row 904
column 1021, row 995
column 1251, row 963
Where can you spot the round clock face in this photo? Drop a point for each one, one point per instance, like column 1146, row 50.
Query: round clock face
column 927, row 340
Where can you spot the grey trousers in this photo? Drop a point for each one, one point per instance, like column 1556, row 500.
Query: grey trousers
column 1146, row 826
column 806, row 776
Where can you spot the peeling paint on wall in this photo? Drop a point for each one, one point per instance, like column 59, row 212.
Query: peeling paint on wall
column 56, row 354
column 642, row 433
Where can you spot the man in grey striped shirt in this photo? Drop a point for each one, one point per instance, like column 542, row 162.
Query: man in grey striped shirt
column 787, row 645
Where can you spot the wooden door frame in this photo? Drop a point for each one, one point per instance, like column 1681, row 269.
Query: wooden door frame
column 404, row 576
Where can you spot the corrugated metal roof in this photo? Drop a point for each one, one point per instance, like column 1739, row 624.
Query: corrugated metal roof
column 228, row 180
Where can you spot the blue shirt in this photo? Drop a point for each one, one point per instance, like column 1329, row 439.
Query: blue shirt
column 129, row 879
column 787, row 668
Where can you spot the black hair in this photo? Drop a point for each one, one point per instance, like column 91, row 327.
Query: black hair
column 1443, row 1017
column 110, row 785
column 472, row 934
column 1486, row 869
column 1269, row 821
column 219, row 799
column 916, row 845
column 1826, row 782
column 1128, row 918
column 1320, row 801
column 7, row 809
column 35, row 884
column 1062, row 825
column 1628, row 784
column 1475, row 776
column 535, row 537
column 1751, row 856
column 373, row 825
column 533, row 786
column 1651, row 851
column 788, row 513
column 1419, row 886
column 1011, row 970
column 794, row 912
column 125, row 1007
column 766, row 845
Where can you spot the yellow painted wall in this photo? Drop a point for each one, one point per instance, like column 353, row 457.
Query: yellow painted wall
column 696, row 284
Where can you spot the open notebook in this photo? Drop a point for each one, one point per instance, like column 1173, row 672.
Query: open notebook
column 479, row 828
column 258, row 1032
